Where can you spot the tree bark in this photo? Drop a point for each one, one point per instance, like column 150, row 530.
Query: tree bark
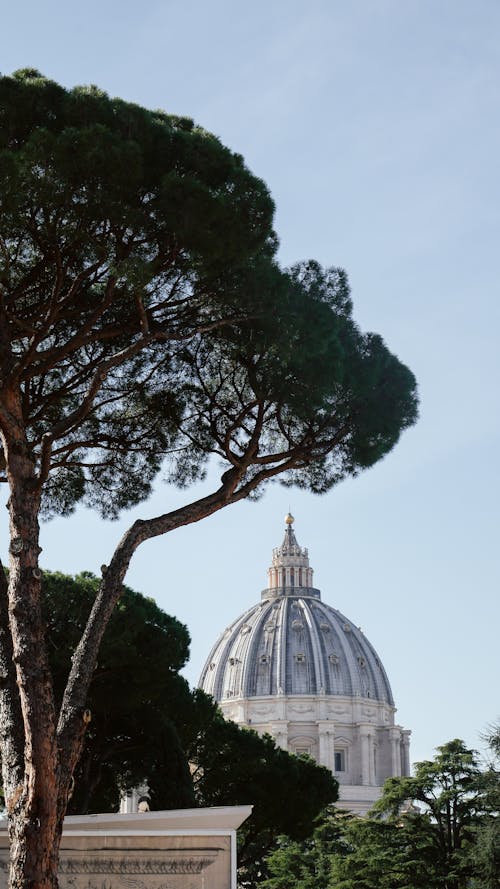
column 11, row 723
column 32, row 789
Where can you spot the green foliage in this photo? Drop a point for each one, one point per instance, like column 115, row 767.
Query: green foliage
column 436, row 830
column 95, row 163
column 134, row 695
column 114, row 218
column 492, row 737
column 388, row 855
column 333, row 399
column 452, row 793
column 308, row 864
column 137, row 264
column 485, row 853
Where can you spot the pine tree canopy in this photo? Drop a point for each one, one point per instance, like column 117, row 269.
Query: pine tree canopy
column 145, row 315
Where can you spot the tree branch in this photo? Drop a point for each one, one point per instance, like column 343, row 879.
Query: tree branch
column 76, row 416
column 85, row 656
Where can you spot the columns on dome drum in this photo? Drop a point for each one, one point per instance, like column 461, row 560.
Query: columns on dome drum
column 279, row 731
column 326, row 744
column 367, row 757
column 395, row 738
column 405, row 752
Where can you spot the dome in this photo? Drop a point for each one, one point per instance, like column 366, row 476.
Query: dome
column 292, row 643
column 296, row 668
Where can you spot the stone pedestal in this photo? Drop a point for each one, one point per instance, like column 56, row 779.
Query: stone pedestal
column 181, row 849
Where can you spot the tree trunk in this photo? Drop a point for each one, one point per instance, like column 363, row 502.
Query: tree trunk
column 34, row 850
column 32, row 802
column 11, row 720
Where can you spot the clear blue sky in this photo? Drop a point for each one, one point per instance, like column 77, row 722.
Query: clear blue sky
column 375, row 124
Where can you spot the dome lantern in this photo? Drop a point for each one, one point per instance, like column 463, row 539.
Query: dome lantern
column 290, row 569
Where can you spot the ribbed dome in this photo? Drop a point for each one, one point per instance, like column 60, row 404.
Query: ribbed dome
column 292, row 643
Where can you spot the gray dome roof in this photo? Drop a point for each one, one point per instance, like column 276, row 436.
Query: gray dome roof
column 292, row 643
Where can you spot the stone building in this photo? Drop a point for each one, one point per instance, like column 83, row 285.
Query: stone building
column 300, row 670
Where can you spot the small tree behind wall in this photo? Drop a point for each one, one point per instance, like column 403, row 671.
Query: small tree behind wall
column 137, row 698
column 144, row 321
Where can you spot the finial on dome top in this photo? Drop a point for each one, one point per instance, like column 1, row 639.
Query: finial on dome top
column 289, row 519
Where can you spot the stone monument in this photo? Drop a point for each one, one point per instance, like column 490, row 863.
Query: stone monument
column 181, row 849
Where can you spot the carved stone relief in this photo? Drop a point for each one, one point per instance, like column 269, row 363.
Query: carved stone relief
column 179, row 862
column 300, row 708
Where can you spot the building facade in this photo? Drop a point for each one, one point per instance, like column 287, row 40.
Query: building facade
column 298, row 669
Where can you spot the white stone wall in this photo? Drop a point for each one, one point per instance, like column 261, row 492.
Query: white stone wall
column 361, row 730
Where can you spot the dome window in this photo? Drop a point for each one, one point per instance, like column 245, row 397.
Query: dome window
column 245, row 629
column 346, row 628
column 264, row 659
column 233, row 661
column 212, row 666
column 333, row 658
column 325, row 628
column 300, row 658
column 269, row 628
column 297, row 625
column 361, row 661
column 340, row 758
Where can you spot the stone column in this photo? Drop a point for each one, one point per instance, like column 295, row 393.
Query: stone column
column 405, row 752
column 279, row 731
column 365, row 735
column 326, row 744
column 395, row 737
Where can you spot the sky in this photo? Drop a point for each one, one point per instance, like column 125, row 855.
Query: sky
column 376, row 126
